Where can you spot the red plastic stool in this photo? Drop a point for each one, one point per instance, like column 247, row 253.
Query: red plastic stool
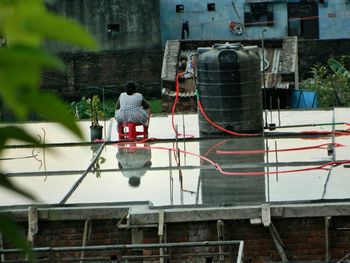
column 130, row 131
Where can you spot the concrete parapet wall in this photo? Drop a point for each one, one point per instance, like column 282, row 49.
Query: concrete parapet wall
column 301, row 228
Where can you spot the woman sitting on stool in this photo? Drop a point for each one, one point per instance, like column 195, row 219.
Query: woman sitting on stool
column 132, row 107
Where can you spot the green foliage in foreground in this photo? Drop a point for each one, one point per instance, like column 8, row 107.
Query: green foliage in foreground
column 332, row 83
column 24, row 25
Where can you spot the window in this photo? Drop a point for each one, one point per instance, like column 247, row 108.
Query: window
column 113, row 30
column 211, row 7
column 294, row 27
column 299, row 25
column 180, row 8
column 258, row 14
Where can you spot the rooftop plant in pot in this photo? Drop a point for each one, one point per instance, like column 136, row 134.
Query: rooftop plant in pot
column 95, row 115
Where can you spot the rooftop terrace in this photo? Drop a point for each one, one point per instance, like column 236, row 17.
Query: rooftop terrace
column 198, row 171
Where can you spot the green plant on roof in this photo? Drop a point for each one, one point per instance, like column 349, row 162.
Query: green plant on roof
column 95, row 110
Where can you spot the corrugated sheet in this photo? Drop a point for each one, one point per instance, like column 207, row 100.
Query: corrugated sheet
column 272, row 73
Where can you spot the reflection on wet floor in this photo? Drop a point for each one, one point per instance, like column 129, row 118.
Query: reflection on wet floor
column 224, row 189
column 168, row 171
column 134, row 162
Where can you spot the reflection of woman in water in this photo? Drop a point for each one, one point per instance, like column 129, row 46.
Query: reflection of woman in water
column 133, row 163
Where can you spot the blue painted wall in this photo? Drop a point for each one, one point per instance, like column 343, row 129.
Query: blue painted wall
column 338, row 26
column 214, row 25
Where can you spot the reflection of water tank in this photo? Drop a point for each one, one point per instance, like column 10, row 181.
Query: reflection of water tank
column 229, row 87
column 233, row 189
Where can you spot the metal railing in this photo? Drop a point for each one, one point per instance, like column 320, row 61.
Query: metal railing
column 51, row 254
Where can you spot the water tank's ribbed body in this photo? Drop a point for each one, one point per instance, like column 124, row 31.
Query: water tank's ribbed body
column 229, row 88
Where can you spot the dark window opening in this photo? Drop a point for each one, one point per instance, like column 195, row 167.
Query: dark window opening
column 298, row 22
column 258, row 14
column 180, row 8
column 185, row 29
column 211, row 7
column 113, row 30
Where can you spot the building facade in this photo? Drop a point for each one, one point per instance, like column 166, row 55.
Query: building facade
column 128, row 33
column 115, row 24
column 245, row 19
column 132, row 36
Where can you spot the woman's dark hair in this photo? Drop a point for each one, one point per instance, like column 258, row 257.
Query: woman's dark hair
column 134, row 181
column 130, row 87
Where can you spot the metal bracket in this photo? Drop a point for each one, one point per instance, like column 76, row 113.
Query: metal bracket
column 120, row 223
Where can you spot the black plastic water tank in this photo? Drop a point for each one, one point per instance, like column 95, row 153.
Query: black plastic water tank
column 229, row 88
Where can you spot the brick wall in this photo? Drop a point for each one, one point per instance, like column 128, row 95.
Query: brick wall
column 304, row 238
column 88, row 73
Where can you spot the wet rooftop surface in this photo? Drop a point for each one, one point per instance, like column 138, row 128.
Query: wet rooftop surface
column 198, row 171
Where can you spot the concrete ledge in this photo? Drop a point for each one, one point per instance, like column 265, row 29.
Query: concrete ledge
column 144, row 213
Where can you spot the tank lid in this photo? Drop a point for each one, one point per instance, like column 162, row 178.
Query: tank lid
column 228, row 45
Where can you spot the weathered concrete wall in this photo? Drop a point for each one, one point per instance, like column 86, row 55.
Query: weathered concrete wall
column 88, row 73
column 129, row 36
column 136, row 21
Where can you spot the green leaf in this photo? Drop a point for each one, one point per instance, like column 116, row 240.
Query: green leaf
column 23, row 57
column 10, row 231
column 12, row 132
column 5, row 182
column 19, row 73
column 69, row 30
column 14, row 15
column 28, row 22
column 51, row 108
column 338, row 68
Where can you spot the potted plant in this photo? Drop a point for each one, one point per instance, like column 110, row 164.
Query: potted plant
column 95, row 115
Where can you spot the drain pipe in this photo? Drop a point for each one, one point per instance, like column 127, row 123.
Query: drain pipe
column 220, row 233
column 263, row 72
column 161, row 234
column 326, row 225
column 2, row 256
column 86, row 236
column 171, row 180
column 32, row 226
